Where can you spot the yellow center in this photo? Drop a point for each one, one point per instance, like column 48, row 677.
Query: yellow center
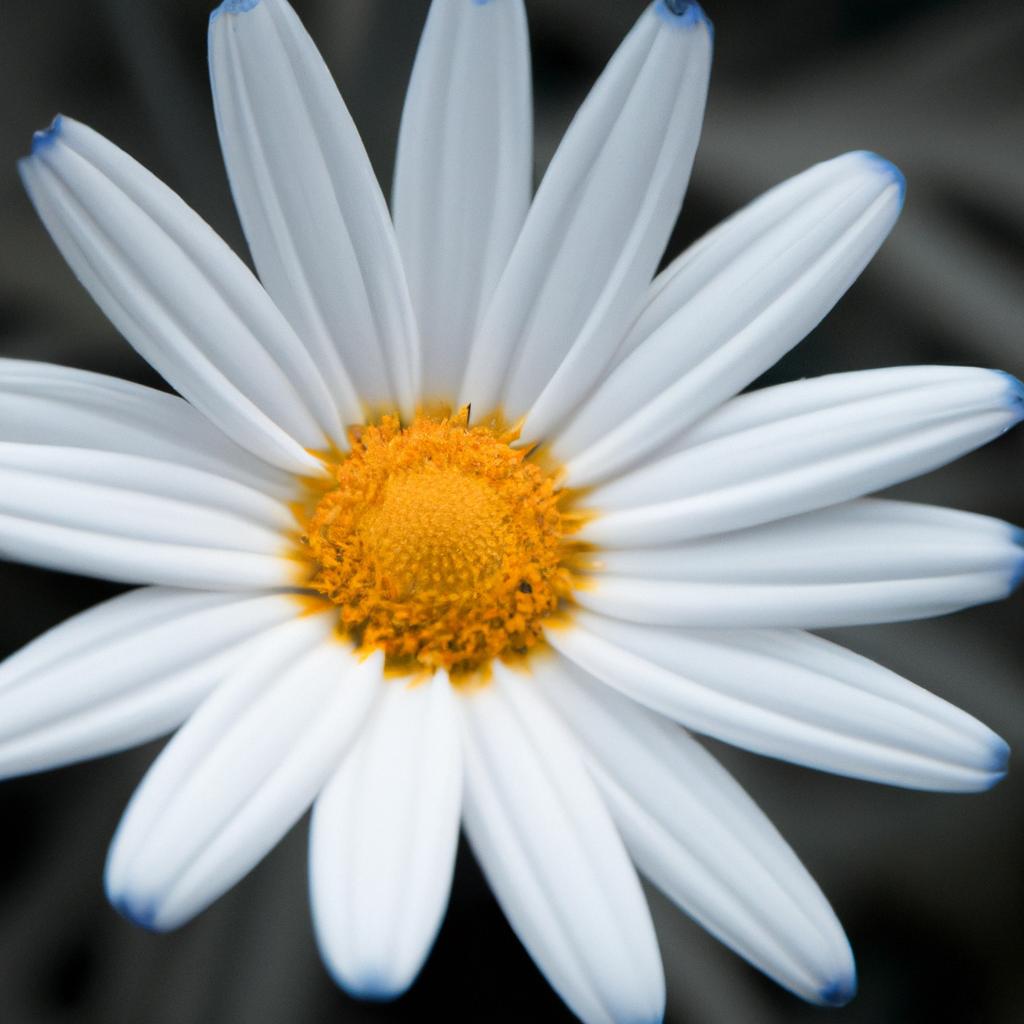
column 440, row 543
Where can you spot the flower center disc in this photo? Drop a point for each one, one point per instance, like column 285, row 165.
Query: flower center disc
column 441, row 544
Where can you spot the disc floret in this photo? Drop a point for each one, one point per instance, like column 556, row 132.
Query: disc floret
column 440, row 543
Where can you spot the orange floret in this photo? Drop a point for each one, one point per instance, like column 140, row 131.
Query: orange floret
column 441, row 544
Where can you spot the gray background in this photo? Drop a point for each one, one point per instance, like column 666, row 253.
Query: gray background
column 928, row 886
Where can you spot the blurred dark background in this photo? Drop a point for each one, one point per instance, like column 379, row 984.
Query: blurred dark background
column 930, row 887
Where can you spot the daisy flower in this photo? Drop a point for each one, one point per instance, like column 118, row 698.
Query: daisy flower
column 458, row 519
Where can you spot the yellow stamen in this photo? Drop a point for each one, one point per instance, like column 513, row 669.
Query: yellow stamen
column 441, row 544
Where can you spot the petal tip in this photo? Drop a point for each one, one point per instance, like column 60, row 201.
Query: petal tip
column 682, row 13
column 889, row 169
column 838, row 992
column 372, row 988
column 1017, row 576
column 999, row 760
column 1015, row 393
column 139, row 912
column 46, row 137
column 233, row 7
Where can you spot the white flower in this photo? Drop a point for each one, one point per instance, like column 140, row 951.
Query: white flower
column 421, row 621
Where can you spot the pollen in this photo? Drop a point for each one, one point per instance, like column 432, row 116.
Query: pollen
column 441, row 544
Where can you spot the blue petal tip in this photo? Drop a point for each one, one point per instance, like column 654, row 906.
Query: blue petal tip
column 1015, row 393
column 47, row 137
column 141, row 914
column 371, row 990
column 682, row 13
column 1017, row 577
column 889, row 169
column 999, row 763
column 839, row 993
column 233, row 7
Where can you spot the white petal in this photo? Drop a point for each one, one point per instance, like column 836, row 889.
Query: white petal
column 310, row 205
column 57, row 405
column 597, row 227
column 137, row 520
column 861, row 562
column 696, row 834
column 807, row 606
column 463, row 173
column 260, row 520
column 552, row 856
column 794, row 696
column 239, row 773
column 730, row 307
column 180, row 296
column 869, row 538
column 383, row 840
column 125, row 560
column 801, row 446
column 130, row 669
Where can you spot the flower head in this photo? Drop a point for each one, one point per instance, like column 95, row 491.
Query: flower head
column 459, row 518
